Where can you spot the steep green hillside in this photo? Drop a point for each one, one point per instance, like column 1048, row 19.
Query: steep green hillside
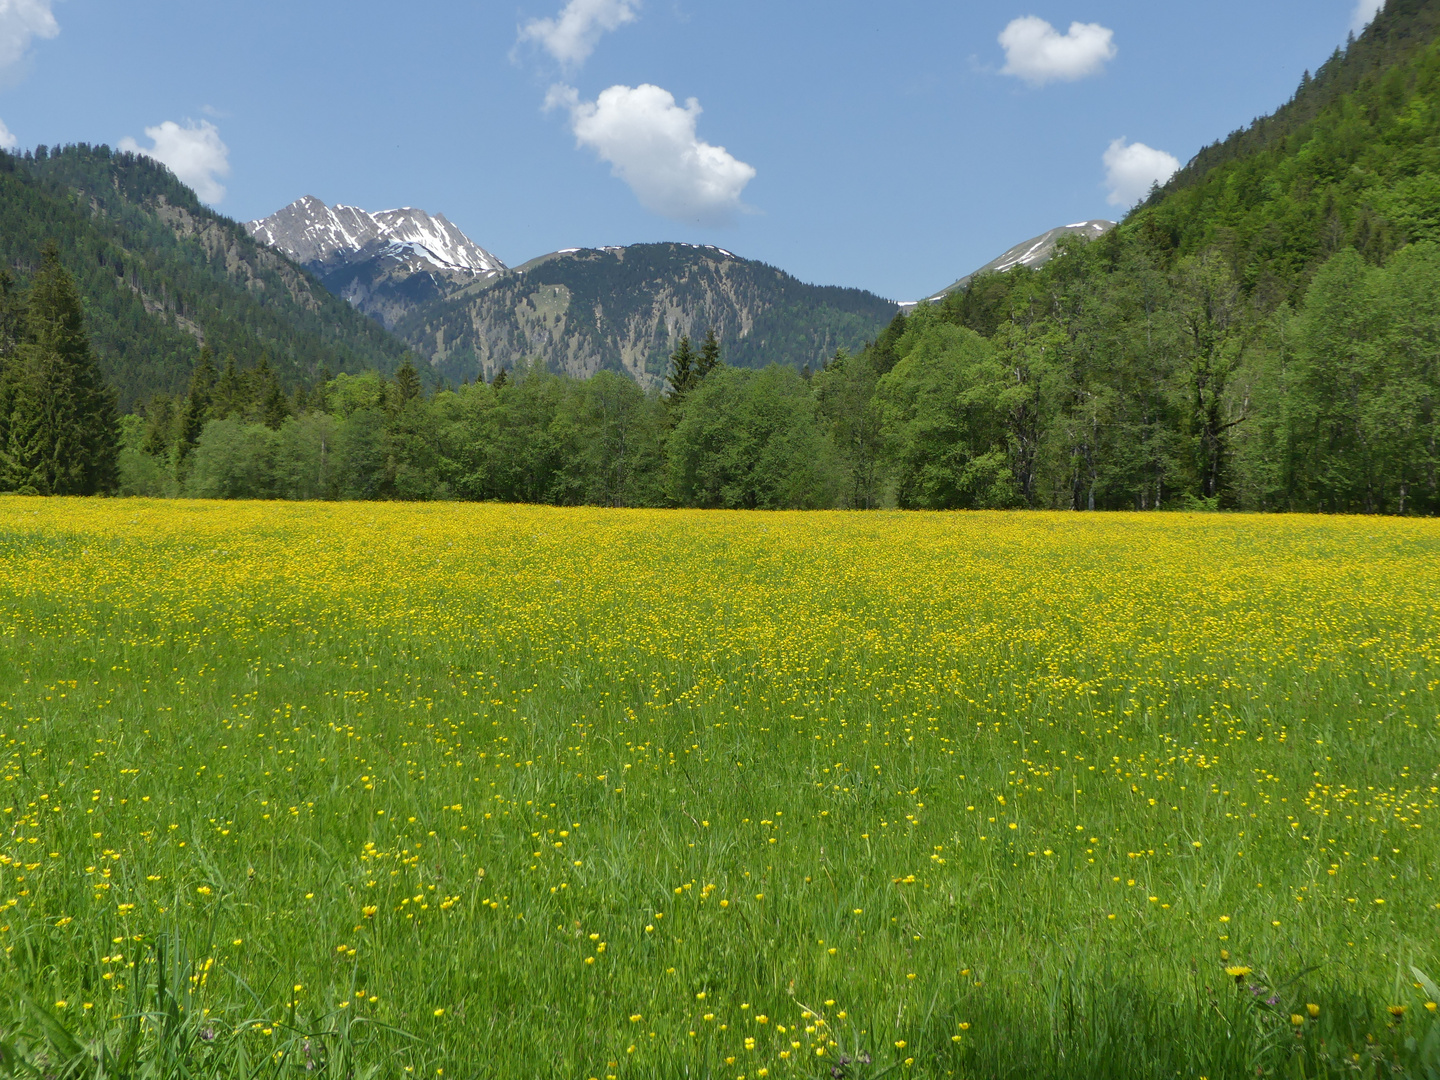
column 1264, row 333
column 624, row 309
column 160, row 274
column 1352, row 160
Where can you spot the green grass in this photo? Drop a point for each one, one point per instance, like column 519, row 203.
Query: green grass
column 586, row 766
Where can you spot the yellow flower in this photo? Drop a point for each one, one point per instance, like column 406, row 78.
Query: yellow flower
column 1313, row 1010
column 1237, row 973
column 1397, row 1010
column 1297, row 1019
column 1431, row 1006
column 439, row 1012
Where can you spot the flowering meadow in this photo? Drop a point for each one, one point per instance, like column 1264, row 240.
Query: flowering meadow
column 495, row 791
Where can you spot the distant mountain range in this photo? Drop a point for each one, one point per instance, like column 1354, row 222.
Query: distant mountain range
column 577, row 311
column 316, row 289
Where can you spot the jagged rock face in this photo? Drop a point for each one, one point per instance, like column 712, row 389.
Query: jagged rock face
column 1034, row 252
column 576, row 311
column 385, row 264
column 325, row 238
column 625, row 310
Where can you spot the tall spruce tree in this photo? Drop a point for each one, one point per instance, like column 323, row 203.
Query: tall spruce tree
column 407, row 383
column 196, row 410
column 63, row 436
column 270, row 400
column 232, row 393
column 682, row 372
column 709, row 358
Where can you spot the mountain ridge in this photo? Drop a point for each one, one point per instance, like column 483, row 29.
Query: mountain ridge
column 162, row 275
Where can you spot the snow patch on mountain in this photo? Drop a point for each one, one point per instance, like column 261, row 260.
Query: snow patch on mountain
column 1031, row 254
column 325, row 238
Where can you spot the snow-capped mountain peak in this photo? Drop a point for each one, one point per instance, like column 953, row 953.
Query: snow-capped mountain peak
column 324, row 237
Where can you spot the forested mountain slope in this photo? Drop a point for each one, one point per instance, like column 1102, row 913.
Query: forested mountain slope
column 625, row 309
column 1264, row 333
column 160, row 274
column 1352, row 160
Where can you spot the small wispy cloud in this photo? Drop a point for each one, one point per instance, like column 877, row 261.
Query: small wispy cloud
column 1365, row 12
column 1131, row 169
column 1038, row 53
column 7, row 140
column 194, row 153
column 571, row 36
column 651, row 143
column 21, row 22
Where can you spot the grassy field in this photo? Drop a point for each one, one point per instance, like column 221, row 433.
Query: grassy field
column 492, row 791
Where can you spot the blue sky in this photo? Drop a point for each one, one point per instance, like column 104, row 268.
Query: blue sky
column 888, row 146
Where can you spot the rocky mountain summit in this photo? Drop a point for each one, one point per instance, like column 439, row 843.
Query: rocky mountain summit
column 386, row 263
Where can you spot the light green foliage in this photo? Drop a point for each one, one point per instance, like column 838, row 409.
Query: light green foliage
column 750, row 440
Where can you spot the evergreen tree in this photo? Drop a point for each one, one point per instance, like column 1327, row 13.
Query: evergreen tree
column 683, row 375
column 709, row 358
column 63, row 436
column 500, row 380
column 159, row 425
column 270, row 402
column 11, row 314
column 407, row 383
column 196, row 410
column 232, row 393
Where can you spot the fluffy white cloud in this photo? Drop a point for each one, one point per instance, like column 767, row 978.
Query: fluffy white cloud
column 194, row 153
column 7, row 140
column 572, row 35
column 1131, row 168
column 1038, row 53
column 1365, row 11
column 651, row 144
column 21, row 21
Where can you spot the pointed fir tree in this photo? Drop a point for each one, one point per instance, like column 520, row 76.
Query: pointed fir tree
column 64, row 436
column 159, row 426
column 682, row 372
column 407, row 384
column 272, row 407
column 231, row 393
column 709, row 356
column 500, row 380
column 196, row 411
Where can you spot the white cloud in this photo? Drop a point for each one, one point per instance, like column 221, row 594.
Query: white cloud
column 21, row 21
column 194, row 153
column 650, row 143
column 1131, row 169
column 1365, row 12
column 572, row 35
column 7, row 140
column 1038, row 53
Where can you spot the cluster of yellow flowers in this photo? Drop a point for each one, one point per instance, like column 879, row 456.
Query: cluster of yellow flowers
column 699, row 769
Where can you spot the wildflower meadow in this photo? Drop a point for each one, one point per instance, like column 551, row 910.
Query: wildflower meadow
column 493, row 791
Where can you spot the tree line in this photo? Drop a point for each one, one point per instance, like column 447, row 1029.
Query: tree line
column 1105, row 380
